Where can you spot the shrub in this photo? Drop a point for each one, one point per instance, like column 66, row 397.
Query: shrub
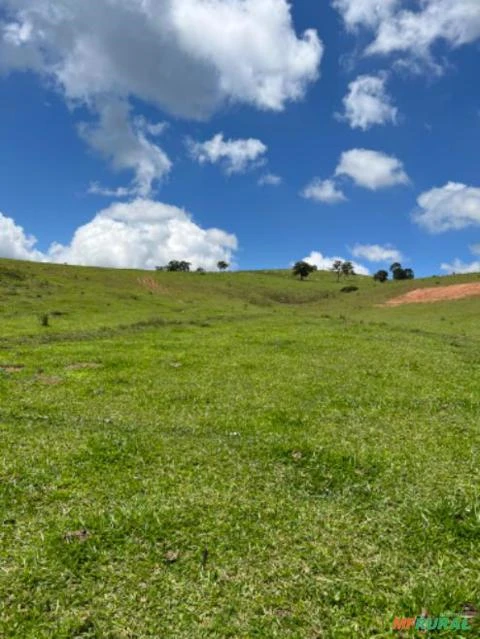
column 348, row 289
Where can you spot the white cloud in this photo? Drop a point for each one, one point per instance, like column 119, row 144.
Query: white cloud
column 97, row 189
column 14, row 243
column 324, row 263
column 184, row 56
column 269, row 179
column 126, row 147
column 368, row 13
column 323, row 191
column 152, row 128
column 398, row 28
column 367, row 103
column 236, row 156
column 377, row 253
column 456, row 21
column 475, row 249
column 457, row 266
column 450, row 207
column 138, row 234
column 371, row 169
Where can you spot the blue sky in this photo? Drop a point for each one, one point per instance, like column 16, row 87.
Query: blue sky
column 135, row 133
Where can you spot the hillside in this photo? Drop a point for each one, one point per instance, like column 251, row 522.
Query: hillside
column 233, row 454
column 86, row 298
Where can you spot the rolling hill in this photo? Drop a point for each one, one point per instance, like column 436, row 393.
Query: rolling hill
column 233, row 454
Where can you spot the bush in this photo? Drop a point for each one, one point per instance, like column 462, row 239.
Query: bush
column 349, row 289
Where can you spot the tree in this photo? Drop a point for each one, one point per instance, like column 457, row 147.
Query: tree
column 303, row 269
column 222, row 265
column 337, row 268
column 347, row 269
column 395, row 266
column 178, row 265
column 381, row 276
column 400, row 273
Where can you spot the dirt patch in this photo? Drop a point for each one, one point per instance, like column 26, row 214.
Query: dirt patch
column 152, row 285
column 82, row 366
column 11, row 368
column 436, row 294
column 49, row 380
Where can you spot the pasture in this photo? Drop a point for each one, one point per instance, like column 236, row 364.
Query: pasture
column 186, row 456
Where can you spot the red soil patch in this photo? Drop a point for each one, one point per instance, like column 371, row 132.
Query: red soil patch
column 437, row 294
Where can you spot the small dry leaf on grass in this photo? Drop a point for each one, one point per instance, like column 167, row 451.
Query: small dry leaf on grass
column 282, row 612
column 76, row 535
column 176, row 364
column 297, row 455
column 171, row 556
column 469, row 610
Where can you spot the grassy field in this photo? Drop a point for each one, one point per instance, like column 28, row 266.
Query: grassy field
column 248, row 455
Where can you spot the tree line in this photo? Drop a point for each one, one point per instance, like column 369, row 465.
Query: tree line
column 398, row 273
column 181, row 266
column 345, row 268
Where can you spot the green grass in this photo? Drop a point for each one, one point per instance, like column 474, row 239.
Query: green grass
column 312, row 456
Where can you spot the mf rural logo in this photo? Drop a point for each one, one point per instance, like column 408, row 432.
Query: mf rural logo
column 431, row 623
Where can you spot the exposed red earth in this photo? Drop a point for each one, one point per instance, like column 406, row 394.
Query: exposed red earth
column 436, row 294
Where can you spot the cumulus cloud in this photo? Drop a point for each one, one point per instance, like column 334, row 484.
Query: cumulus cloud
column 14, row 243
column 457, row 266
column 377, row 253
column 450, row 207
column 138, row 234
column 235, row 156
column 398, row 28
column 184, row 56
column 368, row 13
column 368, row 103
column 323, row 191
column 114, row 137
column 371, row 169
column 324, row 263
column 269, row 179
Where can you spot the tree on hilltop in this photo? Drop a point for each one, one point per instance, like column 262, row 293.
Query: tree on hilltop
column 395, row 266
column 303, row 269
column 400, row 273
column 347, row 269
column 337, row 268
column 178, row 265
column 222, row 265
column 381, row 276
